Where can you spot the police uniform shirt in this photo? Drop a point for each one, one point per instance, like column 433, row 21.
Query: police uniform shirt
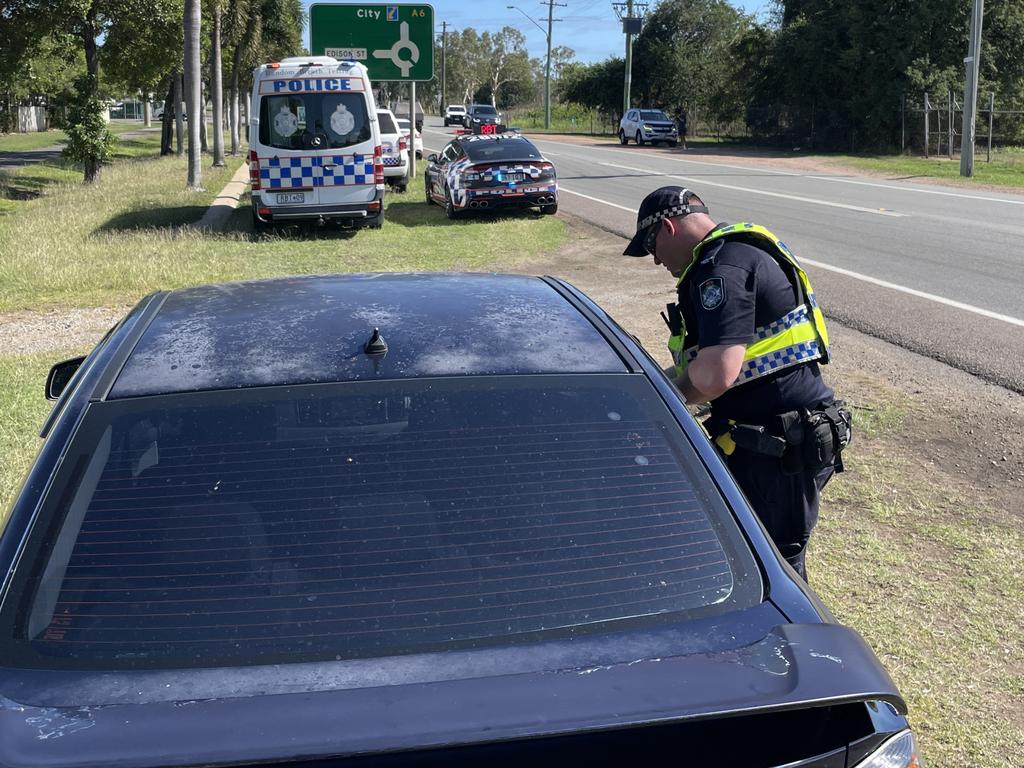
column 735, row 288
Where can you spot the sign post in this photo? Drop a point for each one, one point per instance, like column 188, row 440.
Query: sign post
column 393, row 41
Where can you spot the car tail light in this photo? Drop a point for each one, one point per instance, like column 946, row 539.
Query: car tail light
column 373, row 205
column 263, row 211
column 254, row 169
column 378, row 167
column 898, row 752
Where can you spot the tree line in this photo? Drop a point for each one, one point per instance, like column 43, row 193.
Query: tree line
column 75, row 54
column 823, row 73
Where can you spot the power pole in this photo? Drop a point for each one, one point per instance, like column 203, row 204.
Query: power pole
column 547, row 71
column 971, row 90
column 444, row 52
column 631, row 26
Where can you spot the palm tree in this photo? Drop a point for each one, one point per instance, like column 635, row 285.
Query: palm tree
column 193, row 93
column 217, row 88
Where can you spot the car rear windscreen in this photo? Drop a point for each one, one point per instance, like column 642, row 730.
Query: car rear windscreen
column 369, row 519
column 295, row 120
column 484, row 150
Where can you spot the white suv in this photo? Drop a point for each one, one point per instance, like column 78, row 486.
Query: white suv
column 643, row 125
column 394, row 145
column 454, row 113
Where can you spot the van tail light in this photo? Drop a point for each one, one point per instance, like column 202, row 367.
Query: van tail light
column 403, row 143
column 378, row 167
column 254, row 169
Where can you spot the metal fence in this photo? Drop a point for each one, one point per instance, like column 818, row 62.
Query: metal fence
column 935, row 125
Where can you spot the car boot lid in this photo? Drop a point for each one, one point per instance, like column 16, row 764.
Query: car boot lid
column 794, row 666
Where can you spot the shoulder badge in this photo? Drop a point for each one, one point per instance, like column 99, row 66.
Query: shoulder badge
column 712, row 293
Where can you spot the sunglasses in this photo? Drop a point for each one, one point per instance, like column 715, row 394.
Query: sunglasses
column 651, row 238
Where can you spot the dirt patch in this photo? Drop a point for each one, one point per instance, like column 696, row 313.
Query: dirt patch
column 27, row 333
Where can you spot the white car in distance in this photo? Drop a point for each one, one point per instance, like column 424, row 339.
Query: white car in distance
column 455, row 113
column 417, row 142
column 394, row 146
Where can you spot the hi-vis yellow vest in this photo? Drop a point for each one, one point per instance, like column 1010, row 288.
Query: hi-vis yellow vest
column 797, row 337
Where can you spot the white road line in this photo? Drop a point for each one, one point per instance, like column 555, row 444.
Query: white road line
column 922, row 191
column 919, row 294
column 597, row 199
column 775, row 172
column 761, row 171
column 865, row 278
column 815, row 201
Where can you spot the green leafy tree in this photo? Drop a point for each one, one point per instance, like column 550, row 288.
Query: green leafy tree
column 90, row 141
column 142, row 48
column 683, row 57
column 598, row 86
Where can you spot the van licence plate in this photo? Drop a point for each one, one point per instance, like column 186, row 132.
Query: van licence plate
column 291, row 197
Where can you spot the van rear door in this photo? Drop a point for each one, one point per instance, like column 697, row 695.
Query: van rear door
column 315, row 141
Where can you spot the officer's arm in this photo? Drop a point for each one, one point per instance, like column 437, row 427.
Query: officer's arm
column 711, row 373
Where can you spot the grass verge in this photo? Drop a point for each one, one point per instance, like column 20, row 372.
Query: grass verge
column 124, row 237
column 23, row 142
column 1006, row 168
column 22, row 410
column 933, row 581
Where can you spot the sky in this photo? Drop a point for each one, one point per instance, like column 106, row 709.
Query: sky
column 589, row 27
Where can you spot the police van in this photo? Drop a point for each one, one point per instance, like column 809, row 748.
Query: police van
column 314, row 144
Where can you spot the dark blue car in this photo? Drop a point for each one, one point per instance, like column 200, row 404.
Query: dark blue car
column 404, row 520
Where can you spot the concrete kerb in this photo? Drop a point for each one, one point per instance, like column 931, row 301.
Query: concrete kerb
column 226, row 202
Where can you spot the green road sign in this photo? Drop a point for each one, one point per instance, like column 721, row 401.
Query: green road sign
column 395, row 42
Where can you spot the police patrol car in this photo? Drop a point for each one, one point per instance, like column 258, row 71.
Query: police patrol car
column 315, row 149
column 489, row 171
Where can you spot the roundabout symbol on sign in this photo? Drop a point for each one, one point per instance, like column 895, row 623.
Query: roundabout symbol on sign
column 402, row 44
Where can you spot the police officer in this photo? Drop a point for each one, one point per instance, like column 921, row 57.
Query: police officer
column 747, row 336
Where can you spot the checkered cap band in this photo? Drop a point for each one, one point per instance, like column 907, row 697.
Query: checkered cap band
column 675, row 210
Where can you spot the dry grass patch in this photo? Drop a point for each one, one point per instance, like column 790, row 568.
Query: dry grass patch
column 933, row 581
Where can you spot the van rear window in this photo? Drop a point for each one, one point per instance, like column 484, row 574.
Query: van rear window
column 295, row 120
column 387, row 125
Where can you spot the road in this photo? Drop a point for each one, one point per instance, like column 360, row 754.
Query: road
column 937, row 270
column 28, row 156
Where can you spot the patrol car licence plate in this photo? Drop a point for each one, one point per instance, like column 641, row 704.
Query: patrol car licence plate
column 291, row 197
column 515, row 176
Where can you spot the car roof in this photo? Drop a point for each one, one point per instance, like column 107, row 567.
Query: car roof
column 303, row 330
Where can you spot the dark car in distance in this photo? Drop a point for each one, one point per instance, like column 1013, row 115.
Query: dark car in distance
column 442, row 520
column 481, row 114
column 490, row 172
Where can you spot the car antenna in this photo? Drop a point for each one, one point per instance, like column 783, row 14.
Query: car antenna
column 376, row 345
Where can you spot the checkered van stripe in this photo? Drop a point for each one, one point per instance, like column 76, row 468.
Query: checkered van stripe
column 315, row 171
column 776, row 361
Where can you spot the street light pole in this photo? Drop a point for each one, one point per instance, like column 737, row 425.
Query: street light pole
column 971, row 90
column 444, row 52
column 547, row 69
column 629, row 61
